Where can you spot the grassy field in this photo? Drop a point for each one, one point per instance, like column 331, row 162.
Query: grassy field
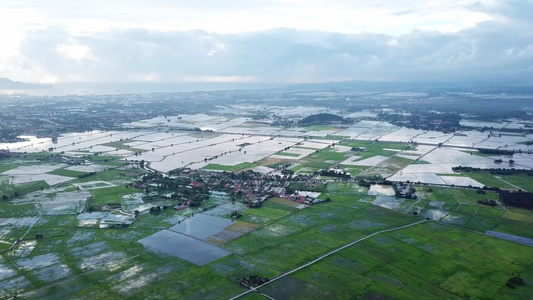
column 9, row 210
column 104, row 158
column 262, row 215
column 471, row 152
column 320, row 127
column 354, row 170
column 4, row 167
column 68, row 173
column 240, row 166
column 294, row 237
column 21, row 189
column 489, row 180
column 428, row 261
column 460, row 208
column 357, row 144
column 300, row 186
column 109, row 196
column 235, row 268
column 284, row 202
column 280, row 204
column 322, row 159
column 52, row 225
column 301, row 147
column 420, row 162
column 390, row 166
column 108, row 175
column 288, row 154
column 518, row 214
column 522, row 181
column 149, row 221
column 453, row 197
column 272, row 209
column 121, row 144
column 379, row 148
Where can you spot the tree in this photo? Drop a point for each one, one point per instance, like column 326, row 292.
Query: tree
column 514, row 281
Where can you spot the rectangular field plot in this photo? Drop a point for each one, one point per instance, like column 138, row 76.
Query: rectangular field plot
column 225, row 209
column 89, row 250
column 184, row 247
column 201, row 226
column 52, row 273
column 232, row 232
column 37, row 262
column 63, row 203
column 372, row 161
column 461, row 181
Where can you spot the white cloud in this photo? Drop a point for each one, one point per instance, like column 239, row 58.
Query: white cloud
column 271, row 41
column 380, row 16
column 73, row 50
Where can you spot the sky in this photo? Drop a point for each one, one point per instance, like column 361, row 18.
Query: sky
column 266, row 41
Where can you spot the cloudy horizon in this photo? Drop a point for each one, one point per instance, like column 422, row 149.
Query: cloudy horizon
column 266, row 41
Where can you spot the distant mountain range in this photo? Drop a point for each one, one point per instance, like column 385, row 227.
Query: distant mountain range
column 8, row 84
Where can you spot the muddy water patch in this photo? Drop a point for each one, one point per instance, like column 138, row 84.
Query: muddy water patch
column 380, row 189
column 435, row 214
column 387, row 202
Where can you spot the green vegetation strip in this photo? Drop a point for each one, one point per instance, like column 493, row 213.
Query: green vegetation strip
column 240, row 166
column 288, row 154
column 320, row 127
column 68, row 173
column 21, row 189
column 4, row 168
column 489, row 180
column 104, row 158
